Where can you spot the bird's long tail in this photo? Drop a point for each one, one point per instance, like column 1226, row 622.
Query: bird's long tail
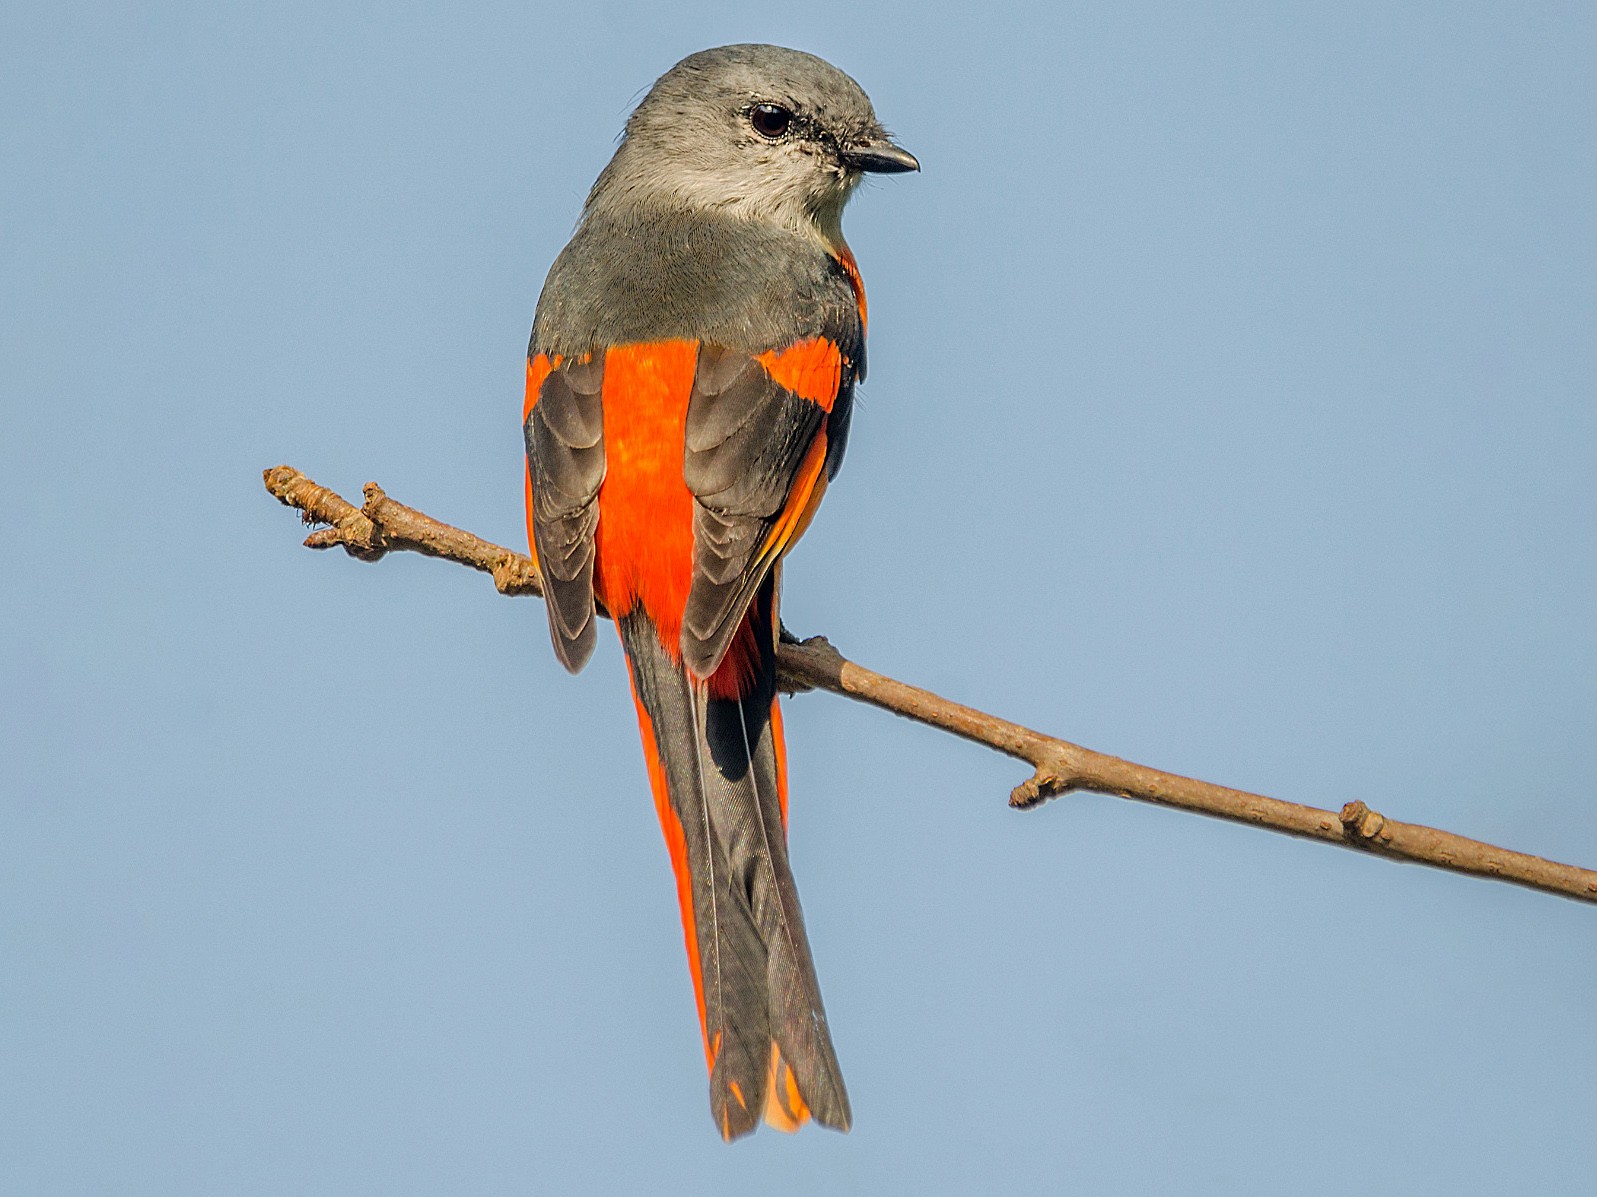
column 718, row 772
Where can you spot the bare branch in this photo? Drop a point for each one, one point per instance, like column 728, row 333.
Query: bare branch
column 381, row 525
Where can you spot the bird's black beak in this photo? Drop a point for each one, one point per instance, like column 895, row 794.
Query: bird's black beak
column 880, row 157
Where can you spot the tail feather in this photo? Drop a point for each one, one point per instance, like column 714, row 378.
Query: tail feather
column 716, row 768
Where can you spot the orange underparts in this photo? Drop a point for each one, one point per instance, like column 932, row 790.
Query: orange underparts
column 539, row 367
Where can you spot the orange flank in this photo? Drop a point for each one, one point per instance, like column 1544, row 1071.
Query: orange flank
column 810, row 505
column 845, row 259
column 538, row 368
column 803, row 497
column 532, row 543
column 779, row 743
column 811, row 369
column 677, row 844
column 645, row 537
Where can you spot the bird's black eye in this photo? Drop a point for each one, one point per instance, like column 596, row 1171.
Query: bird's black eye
column 770, row 120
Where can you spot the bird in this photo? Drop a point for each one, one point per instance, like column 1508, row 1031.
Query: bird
column 691, row 378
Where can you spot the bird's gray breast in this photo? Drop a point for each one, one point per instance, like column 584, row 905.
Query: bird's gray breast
column 660, row 276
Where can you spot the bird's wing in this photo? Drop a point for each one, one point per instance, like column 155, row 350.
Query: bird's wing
column 763, row 434
column 564, row 430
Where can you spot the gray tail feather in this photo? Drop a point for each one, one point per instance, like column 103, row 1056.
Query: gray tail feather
column 719, row 763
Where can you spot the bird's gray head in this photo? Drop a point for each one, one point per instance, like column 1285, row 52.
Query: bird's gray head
column 756, row 132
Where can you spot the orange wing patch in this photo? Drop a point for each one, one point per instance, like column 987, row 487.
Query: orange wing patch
column 811, row 369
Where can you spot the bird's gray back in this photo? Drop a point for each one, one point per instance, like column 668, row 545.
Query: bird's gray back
column 640, row 276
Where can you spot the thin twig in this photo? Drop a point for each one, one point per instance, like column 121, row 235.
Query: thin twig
column 381, row 525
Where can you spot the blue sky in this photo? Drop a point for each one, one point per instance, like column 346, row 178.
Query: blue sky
column 1230, row 409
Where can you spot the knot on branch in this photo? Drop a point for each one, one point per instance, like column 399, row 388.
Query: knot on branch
column 1360, row 824
column 1039, row 788
column 514, row 574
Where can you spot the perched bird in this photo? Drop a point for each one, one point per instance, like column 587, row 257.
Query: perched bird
column 690, row 380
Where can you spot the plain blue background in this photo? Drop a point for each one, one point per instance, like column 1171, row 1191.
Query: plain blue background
column 1230, row 409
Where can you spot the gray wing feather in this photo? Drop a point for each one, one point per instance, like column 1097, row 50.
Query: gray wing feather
column 565, row 454
column 746, row 437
